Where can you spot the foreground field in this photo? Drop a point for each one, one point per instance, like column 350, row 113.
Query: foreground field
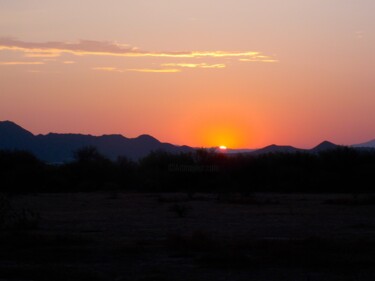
column 122, row 236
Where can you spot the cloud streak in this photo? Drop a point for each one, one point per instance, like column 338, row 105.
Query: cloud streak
column 150, row 70
column 194, row 65
column 108, row 69
column 98, row 48
column 263, row 60
column 21, row 63
column 144, row 70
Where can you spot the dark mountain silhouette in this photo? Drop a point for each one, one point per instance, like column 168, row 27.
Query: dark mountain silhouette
column 60, row 147
column 277, row 149
column 369, row 144
column 13, row 136
column 324, row 146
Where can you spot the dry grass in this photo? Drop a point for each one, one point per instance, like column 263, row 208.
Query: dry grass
column 89, row 236
column 309, row 253
column 353, row 200
column 245, row 199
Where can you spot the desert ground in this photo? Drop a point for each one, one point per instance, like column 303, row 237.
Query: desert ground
column 136, row 236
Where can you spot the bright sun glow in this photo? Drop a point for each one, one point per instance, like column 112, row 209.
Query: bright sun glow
column 221, row 135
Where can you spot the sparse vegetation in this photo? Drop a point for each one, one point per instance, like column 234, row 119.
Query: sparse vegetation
column 12, row 218
column 230, row 198
column 343, row 170
column 245, row 199
column 353, row 200
column 173, row 198
column 198, row 241
column 180, row 210
column 25, row 219
column 86, row 236
column 249, row 254
column 5, row 209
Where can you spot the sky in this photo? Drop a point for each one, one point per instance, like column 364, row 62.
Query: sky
column 240, row 73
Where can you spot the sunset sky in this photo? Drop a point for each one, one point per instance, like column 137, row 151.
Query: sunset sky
column 240, row 73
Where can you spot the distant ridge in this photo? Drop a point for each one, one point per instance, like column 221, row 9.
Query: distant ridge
column 60, row 147
column 277, row 149
column 13, row 136
column 324, row 146
column 366, row 144
column 55, row 147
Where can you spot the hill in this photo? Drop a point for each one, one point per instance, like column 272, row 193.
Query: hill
column 277, row 149
column 369, row 144
column 324, row 146
column 60, row 147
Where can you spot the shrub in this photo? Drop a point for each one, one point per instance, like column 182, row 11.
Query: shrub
column 180, row 210
column 5, row 209
column 17, row 219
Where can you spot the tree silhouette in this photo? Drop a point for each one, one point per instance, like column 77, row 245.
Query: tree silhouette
column 88, row 154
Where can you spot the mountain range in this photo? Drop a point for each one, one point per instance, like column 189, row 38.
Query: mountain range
column 324, row 146
column 366, row 144
column 57, row 148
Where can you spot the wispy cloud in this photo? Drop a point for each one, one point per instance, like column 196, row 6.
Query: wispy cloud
column 150, row 70
column 98, row 48
column 263, row 60
column 165, row 68
column 68, row 62
column 21, row 63
column 195, row 65
column 146, row 70
column 30, row 54
column 108, row 68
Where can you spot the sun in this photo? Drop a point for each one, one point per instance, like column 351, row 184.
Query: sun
column 222, row 147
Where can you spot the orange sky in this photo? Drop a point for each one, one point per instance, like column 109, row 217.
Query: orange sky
column 241, row 73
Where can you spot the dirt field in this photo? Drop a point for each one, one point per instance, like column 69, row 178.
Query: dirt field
column 122, row 236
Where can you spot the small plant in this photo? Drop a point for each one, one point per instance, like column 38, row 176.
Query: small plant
column 173, row 198
column 11, row 218
column 113, row 195
column 25, row 219
column 113, row 190
column 5, row 209
column 353, row 200
column 198, row 241
column 180, row 210
column 245, row 199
